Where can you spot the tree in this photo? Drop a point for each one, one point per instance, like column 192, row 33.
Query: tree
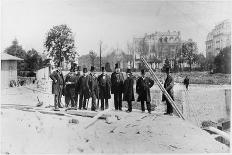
column 130, row 50
column 60, row 44
column 107, row 67
column 92, row 56
column 142, row 47
column 33, row 60
column 223, row 61
column 176, row 67
column 189, row 50
column 166, row 64
column 201, row 61
column 16, row 50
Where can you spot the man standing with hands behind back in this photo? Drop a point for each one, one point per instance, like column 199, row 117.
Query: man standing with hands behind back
column 57, row 86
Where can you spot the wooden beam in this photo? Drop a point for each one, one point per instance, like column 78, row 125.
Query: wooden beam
column 163, row 89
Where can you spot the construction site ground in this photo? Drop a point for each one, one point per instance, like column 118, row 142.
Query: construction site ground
column 28, row 130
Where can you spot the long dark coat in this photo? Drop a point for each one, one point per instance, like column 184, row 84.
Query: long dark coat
column 78, row 75
column 128, row 90
column 93, row 85
column 83, row 86
column 117, row 81
column 104, row 87
column 70, row 77
column 168, row 85
column 143, row 89
column 55, row 76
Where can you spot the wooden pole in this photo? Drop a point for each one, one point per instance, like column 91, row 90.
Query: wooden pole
column 100, row 53
column 162, row 89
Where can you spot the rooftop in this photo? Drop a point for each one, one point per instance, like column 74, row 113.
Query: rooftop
column 5, row 56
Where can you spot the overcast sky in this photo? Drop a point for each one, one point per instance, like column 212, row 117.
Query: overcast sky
column 115, row 22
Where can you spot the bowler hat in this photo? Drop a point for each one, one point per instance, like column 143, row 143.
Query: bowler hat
column 92, row 68
column 85, row 70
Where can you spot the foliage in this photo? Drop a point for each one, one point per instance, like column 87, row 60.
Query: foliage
column 16, row 50
column 33, row 60
column 189, row 50
column 176, row 67
column 201, row 61
column 142, row 47
column 166, row 65
column 223, row 61
column 60, row 44
column 107, row 67
column 92, row 56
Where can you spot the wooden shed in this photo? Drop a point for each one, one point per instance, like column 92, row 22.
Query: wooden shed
column 8, row 69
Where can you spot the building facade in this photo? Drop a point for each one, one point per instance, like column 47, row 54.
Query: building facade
column 218, row 38
column 158, row 45
column 8, row 69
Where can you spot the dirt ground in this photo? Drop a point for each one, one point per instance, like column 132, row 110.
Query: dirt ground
column 136, row 132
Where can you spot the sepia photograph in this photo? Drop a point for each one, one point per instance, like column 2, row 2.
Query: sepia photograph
column 115, row 76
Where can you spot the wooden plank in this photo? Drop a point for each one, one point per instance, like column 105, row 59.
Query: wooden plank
column 95, row 118
column 163, row 89
column 219, row 132
column 86, row 113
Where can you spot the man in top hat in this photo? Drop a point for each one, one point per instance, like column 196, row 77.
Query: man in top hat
column 104, row 89
column 117, row 81
column 84, row 88
column 70, row 87
column 93, row 85
column 168, row 85
column 78, row 75
column 128, row 91
column 57, row 86
column 143, row 90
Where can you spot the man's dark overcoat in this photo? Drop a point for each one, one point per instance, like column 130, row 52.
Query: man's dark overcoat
column 104, row 87
column 143, row 89
column 168, row 85
column 128, row 90
column 117, row 80
column 93, row 85
column 83, row 86
column 56, row 76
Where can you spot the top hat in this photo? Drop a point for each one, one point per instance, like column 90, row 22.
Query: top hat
column 92, row 68
column 78, row 68
column 167, row 70
column 128, row 70
column 73, row 66
column 103, row 69
column 116, row 65
column 143, row 71
column 85, row 70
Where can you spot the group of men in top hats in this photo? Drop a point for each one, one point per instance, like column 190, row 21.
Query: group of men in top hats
column 87, row 86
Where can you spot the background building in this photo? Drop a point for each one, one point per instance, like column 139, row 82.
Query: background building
column 218, row 38
column 8, row 69
column 157, row 46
